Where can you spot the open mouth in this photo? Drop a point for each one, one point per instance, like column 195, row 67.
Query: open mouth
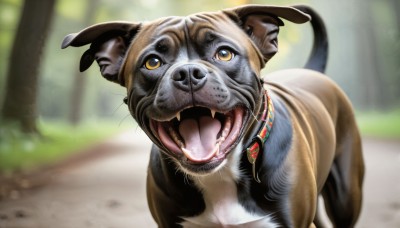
column 200, row 134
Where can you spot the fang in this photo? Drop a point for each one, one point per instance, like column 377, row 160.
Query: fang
column 212, row 113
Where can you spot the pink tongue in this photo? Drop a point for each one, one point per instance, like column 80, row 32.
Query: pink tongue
column 200, row 137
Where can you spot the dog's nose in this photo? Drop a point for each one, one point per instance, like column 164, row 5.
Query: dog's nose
column 189, row 77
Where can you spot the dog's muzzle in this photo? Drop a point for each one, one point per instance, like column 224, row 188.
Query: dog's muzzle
column 200, row 134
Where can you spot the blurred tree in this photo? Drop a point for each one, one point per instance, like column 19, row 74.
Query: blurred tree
column 374, row 93
column 395, row 6
column 80, row 81
column 9, row 16
column 378, row 53
column 23, row 70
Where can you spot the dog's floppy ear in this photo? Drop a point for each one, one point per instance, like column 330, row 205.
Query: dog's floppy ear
column 109, row 42
column 261, row 23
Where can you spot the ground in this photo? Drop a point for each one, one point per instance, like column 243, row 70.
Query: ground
column 108, row 191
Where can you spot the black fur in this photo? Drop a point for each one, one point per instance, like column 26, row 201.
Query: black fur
column 270, row 195
column 180, row 195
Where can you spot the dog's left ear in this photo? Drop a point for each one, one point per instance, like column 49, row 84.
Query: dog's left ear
column 109, row 43
column 261, row 23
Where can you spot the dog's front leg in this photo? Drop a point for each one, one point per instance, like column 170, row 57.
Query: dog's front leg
column 170, row 194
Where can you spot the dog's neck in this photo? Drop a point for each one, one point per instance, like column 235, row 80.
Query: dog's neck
column 220, row 195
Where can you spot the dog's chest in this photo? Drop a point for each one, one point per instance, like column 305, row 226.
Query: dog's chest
column 222, row 205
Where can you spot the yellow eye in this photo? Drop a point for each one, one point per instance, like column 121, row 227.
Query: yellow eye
column 152, row 63
column 224, row 55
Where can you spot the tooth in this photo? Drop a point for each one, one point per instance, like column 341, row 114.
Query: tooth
column 178, row 116
column 217, row 149
column 227, row 127
column 220, row 140
column 212, row 113
column 175, row 136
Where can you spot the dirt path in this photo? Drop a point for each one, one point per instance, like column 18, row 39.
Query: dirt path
column 109, row 192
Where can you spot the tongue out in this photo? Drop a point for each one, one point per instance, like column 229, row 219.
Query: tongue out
column 200, row 136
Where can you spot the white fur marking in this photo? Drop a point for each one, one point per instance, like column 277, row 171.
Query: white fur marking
column 220, row 196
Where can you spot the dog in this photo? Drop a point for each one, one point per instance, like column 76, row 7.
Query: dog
column 232, row 148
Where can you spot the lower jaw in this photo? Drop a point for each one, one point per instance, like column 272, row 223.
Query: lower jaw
column 230, row 160
column 200, row 168
column 195, row 169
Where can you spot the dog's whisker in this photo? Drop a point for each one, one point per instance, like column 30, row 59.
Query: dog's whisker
column 138, row 129
column 123, row 119
column 254, row 116
column 186, row 179
column 199, row 180
column 170, row 161
column 117, row 108
column 220, row 174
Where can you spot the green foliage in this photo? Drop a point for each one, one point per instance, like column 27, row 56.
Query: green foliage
column 72, row 10
column 380, row 125
column 21, row 152
column 9, row 16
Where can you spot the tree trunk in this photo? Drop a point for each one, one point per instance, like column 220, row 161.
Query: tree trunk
column 372, row 79
column 79, row 82
column 395, row 6
column 20, row 103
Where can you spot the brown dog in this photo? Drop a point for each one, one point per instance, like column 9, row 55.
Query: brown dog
column 231, row 150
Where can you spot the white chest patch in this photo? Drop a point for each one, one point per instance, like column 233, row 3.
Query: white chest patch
column 222, row 206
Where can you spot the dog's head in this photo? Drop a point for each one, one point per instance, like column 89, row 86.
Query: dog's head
column 192, row 82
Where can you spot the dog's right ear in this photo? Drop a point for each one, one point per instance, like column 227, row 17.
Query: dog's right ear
column 109, row 43
column 262, row 22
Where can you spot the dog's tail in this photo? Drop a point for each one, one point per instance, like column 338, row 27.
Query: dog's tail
column 319, row 54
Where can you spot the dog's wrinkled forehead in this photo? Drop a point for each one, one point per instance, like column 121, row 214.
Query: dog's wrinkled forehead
column 194, row 29
column 186, row 37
